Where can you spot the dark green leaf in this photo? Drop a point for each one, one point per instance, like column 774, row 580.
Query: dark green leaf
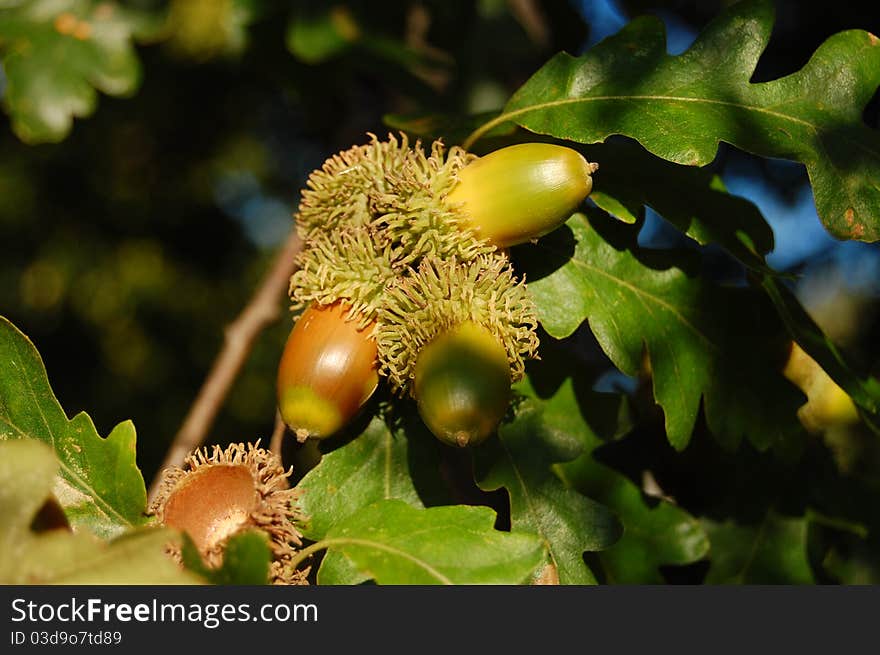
column 692, row 199
column 652, row 535
column 704, row 343
column 541, row 434
column 56, row 53
column 375, row 465
column 246, row 559
column 773, row 552
column 28, row 471
column 99, row 486
column 681, row 107
column 655, row 532
column 395, row 543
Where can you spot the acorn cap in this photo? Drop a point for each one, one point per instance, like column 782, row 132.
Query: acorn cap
column 342, row 191
column 396, row 192
column 216, row 496
column 343, row 265
column 443, row 294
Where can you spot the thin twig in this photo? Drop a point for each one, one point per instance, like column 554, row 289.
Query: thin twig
column 277, row 434
column 528, row 14
column 262, row 310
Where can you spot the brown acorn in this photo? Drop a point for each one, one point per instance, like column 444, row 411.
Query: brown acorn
column 327, row 372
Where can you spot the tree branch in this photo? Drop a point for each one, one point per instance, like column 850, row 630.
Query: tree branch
column 240, row 335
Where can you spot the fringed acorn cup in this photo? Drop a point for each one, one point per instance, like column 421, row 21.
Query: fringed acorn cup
column 216, row 496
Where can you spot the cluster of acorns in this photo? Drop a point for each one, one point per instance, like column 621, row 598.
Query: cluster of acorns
column 404, row 275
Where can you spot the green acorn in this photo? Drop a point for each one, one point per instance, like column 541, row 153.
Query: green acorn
column 455, row 335
column 462, row 384
column 440, row 295
column 444, row 202
column 522, row 192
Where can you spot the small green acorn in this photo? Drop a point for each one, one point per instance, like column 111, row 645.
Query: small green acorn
column 462, row 384
column 522, row 192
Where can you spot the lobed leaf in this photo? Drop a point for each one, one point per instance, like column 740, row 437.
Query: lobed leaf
column 704, row 343
column 541, row 434
column 654, row 533
column 681, row 107
column 382, row 463
column 99, row 486
column 56, row 53
column 394, row 543
column 27, row 473
column 773, row 552
column 374, row 466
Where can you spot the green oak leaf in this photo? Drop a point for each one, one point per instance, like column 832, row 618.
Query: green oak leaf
column 681, row 107
column 100, row 486
column 705, row 343
column 520, row 460
column 246, row 559
column 631, row 178
column 773, row 552
column 56, row 53
column 379, row 464
column 393, row 542
column 693, row 199
column 654, row 533
column 28, row 469
column 376, row 465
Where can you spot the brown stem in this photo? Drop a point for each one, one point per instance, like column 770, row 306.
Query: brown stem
column 277, row 434
column 240, row 335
